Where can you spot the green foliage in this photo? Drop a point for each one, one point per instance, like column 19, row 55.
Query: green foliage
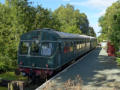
column 102, row 37
column 71, row 20
column 11, row 76
column 118, row 54
column 92, row 32
column 110, row 24
column 3, row 88
column 118, row 61
column 18, row 17
column 72, row 29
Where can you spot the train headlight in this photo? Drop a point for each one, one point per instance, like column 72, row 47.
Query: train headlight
column 33, row 65
column 46, row 65
column 23, row 74
column 21, row 63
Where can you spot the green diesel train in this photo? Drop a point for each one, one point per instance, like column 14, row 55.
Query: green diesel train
column 41, row 52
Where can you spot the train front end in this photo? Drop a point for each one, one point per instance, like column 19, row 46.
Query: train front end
column 36, row 55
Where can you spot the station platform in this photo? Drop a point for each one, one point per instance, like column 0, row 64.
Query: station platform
column 94, row 71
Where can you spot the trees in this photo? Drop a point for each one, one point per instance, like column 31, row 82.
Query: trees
column 18, row 17
column 110, row 24
column 92, row 32
column 44, row 19
column 11, row 27
column 71, row 20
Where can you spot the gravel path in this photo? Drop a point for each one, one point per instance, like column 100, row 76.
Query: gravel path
column 97, row 71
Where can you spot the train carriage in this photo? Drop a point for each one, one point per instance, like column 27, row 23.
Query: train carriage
column 46, row 50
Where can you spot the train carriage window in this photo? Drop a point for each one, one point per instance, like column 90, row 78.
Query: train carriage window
column 24, row 48
column 83, row 44
column 71, row 47
column 77, row 45
column 66, row 47
column 46, row 49
column 80, row 45
column 34, row 48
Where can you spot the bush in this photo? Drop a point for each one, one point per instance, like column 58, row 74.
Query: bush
column 118, row 54
column 11, row 76
column 6, row 64
column 118, row 61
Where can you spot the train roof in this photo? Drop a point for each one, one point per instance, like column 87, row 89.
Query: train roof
column 52, row 32
column 92, row 37
column 68, row 35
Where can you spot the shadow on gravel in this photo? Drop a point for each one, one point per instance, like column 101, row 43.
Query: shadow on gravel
column 97, row 69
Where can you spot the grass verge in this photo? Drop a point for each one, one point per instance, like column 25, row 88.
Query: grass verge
column 11, row 76
column 118, row 61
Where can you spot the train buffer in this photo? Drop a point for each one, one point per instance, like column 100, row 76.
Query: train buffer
column 94, row 71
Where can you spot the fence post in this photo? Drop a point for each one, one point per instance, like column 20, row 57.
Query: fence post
column 16, row 85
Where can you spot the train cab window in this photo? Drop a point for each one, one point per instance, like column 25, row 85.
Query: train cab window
column 46, row 49
column 24, row 48
column 34, row 48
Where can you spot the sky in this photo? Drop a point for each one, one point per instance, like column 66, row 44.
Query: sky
column 92, row 8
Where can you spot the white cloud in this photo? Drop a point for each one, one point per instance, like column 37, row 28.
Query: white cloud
column 101, row 13
column 96, row 4
column 96, row 28
column 99, row 4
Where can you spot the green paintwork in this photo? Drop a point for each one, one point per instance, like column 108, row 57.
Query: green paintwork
column 59, row 41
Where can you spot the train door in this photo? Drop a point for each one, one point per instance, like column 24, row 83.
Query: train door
column 60, row 46
column 74, row 48
column 71, row 49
